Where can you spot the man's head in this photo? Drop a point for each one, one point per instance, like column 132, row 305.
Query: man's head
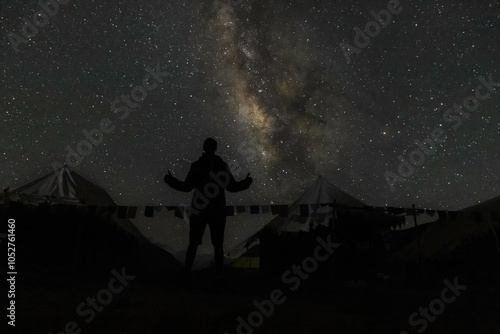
column 209, row 146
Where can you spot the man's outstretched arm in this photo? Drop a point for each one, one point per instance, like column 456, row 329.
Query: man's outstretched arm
column 235, row 186
column 173, row 182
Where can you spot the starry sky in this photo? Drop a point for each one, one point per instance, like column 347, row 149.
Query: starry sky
column 276, row 82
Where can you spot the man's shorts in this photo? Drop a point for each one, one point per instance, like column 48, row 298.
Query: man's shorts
column 198, row 224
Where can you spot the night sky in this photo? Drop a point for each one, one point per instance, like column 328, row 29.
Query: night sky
column 279, row 84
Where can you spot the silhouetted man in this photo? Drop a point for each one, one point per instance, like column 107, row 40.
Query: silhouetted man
column 209, row 177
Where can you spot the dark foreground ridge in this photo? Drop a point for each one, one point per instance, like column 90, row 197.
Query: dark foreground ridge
column 94, row 276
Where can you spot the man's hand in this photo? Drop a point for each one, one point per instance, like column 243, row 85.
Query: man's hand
column 169, row 177
column 248, row 179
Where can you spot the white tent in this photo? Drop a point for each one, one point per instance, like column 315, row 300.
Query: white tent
column 323, row 192
column 63, row 186
column 66, row 186
column 313, row 199
column 445, row 235
column 492, row 205
column 319, row 193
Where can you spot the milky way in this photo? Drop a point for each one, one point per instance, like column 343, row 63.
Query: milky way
column 270, row 81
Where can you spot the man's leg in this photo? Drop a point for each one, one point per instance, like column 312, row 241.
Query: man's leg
column 219, row 258
column 217, row 226
column 196, row 229
column 190, row 255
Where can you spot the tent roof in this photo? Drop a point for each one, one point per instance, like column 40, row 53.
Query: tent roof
column 65, row 185
column 491, row 205
column 443, row 236
column 322, row 192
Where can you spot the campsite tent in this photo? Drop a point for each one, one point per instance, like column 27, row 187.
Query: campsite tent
column 63, row 186
column 318, row 193
column 283, row 240
column 308, row 209
column 66, row 187
column 323, row 192
column 492, row 205
column 454, row 230
column 67, row 221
